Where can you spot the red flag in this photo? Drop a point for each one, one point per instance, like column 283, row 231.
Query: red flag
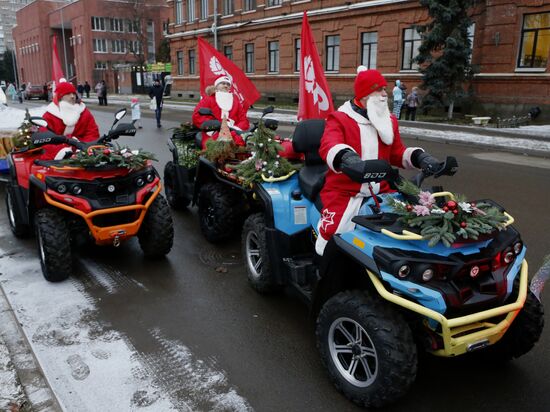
column 57, row 72
column 213, row 65
column 315, row 99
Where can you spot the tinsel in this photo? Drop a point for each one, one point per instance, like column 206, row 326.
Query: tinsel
column 445, row 222
column 114, row 156
column 265, row 159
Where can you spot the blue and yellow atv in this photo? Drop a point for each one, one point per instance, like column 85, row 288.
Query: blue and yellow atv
column 379, row 293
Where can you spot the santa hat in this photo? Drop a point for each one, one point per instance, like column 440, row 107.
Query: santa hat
column 368, row 81
column 63, row 89
column 222, row 79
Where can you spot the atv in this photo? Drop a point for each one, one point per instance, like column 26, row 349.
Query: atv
column 222, row 201
column 68, row 205
column 379, row 293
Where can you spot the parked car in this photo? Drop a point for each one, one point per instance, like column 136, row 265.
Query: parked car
column 35, row 92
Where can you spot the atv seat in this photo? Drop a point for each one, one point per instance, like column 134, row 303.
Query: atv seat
column 306, row 140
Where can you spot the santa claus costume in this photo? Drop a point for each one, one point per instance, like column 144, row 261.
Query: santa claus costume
column 68, row 119
column 222, row 104
column 372, row 133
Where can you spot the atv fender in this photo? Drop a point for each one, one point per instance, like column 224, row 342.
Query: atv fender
column 342, row 267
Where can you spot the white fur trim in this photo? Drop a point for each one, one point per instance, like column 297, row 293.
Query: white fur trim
column 347, row 109
column 407, row 163
column 361, row 69
column 333, row 152
column 320, row 245
column 352, row 209
column 61, row 154
column 222, row 79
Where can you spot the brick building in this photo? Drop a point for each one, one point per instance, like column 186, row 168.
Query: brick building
column 511, row 45
column 7, row 21
column 96, row 39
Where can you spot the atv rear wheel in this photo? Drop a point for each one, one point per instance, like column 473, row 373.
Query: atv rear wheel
column 217, row 212
column 54, row 244
column 367, row 348
column 18, row 228
column 256, row 255
column 175, row 199
column 156, row 234
column 522, row 335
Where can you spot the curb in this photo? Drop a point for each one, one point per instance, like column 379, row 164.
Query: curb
column 37, row 391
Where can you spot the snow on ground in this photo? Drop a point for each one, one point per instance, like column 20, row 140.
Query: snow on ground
column 92, row 367
column 12, row 117
column 11, row 393
column 542, row 130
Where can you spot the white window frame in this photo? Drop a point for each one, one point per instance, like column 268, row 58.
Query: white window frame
column 98, row 23
column 369, row 49
column 99, row 46
column 117, row 25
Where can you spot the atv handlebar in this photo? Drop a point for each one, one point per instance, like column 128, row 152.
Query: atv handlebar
column 448, row 168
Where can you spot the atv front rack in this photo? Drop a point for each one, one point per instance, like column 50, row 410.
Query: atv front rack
column 110, row 234
column 465, row 333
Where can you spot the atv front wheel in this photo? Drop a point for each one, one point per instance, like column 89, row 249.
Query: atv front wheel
column 217, row 212
column 18, row 228
column 256, row 256
column 156, row 234
column 54, row 244
column 175, row 199
column 367, row 348
column 522, row 335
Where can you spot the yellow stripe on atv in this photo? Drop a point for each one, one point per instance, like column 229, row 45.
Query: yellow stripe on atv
column 463, row 334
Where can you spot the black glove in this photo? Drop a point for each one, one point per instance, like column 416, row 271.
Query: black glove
column 363, row 171
column 427, row 163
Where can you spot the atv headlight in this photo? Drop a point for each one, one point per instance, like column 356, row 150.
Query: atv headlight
column 111, row 188
column 403, row 271
column 518, row 247
column 76, row 190
column 140, row 182
column 61, row 188
column 150, row 177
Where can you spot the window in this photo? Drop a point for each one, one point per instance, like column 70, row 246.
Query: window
column 369, row 47
column 535, row 41
column 178, row 6
column 118, row 46
column 471, row 32
column 133, row 26
column 411, row 43
column 190, row 10
column 117, row 25
column 227, row 7
column 100, row 65
column 151, row 49
column 249, row 5
column 192, row 61
column 179, row 57
column 249, row 57
column 273, row 47
column 297, row 54
column 228, row 52
column 204, row 9
column 100, row 46
column 271, row 3
column 98, row 24
column 134, row 46
column 333, row 53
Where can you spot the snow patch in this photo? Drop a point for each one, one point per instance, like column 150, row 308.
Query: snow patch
column 11, row 393
column 11, row 117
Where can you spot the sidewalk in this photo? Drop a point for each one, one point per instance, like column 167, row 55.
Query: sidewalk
column 528, row 140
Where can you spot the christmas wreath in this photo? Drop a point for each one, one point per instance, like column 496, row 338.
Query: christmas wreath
column 445, row 221
column 113, row 156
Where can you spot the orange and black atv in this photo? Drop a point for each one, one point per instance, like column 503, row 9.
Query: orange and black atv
column 68, row 205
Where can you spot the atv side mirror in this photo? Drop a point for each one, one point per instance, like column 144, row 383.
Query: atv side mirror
column 267, row 110
column 272, row 124
column 205, row 111
column 38, row 121
column 120, row 114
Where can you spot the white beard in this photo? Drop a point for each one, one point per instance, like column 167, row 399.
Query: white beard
column 379, row 116
column 69, row 113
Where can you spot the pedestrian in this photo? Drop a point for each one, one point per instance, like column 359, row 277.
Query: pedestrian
column 80, row 90
column 168, row 81
column 45, row 91
column 11, row 92
column 136, row 112
column 223, row 103
column 412, row 103
column 87, row 89
column 155, row 93
column 397, row 98
column 361, row 139
column 67, row 117
column 104, row 92
column 97, row 89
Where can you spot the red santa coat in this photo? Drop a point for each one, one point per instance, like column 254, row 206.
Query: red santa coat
column 237, row 115
column 85, row 129
column 341, row 196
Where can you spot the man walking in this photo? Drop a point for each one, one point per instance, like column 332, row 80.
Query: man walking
column 156, row 92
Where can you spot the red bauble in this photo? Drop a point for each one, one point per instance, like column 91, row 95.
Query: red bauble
column 445, row 209
column 455, row 212
column 451, row 204
column 463, row 224
column 473, row 204
column 409, row 208
column 106, row 152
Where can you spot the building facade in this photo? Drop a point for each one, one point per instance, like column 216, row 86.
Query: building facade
column 511, row 45
column 8, row 8
column 109, row 40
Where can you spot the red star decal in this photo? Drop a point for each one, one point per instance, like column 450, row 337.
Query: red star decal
column 327, row 219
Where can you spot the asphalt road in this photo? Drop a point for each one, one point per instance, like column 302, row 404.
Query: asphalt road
column 266, row 345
